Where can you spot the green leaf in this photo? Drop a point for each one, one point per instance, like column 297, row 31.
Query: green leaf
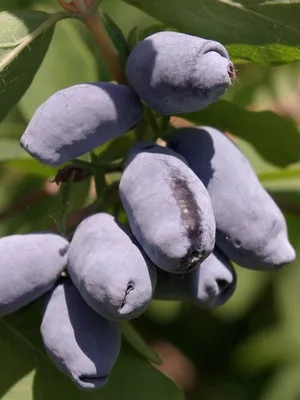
column 12, row 130
column 68, row 62
column 24, row 40
column 275, row 138
column 164, row 312
column 65, row 203
column 10, row 149
column 250, row 287
column 99, row 177
column 138, row 343
column 116, row 148
column 281, row 174
column 285, row 384
column 117, row 38
column 133, row 37
column 135, row 379
column 32, row 167
column 261, row 31
column 22, row 353
column 264, row 349
column 137, row 34
column 270, row 55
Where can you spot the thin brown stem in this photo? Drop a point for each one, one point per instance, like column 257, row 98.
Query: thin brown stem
column 95, row 25
column 67, row 6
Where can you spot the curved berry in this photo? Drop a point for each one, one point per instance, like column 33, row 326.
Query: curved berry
column 179, row 73
column 210, row 285
column 81, row 343
column 168, row 208
column 78, row 119
column 109, row 269
column 29, row 266
column 251, row 229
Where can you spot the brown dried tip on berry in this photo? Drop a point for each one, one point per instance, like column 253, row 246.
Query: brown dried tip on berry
column 77, row 174
column 232, row 71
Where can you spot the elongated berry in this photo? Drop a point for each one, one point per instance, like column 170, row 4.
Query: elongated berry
column 178, row 73
column 168, row 208
column 29, row 266
column 81, row 343
column 78, row 119
column 251, row 229
column 109, row 270
column 210, row 285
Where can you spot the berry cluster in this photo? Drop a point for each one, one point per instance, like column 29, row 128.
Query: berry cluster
column 192, row 206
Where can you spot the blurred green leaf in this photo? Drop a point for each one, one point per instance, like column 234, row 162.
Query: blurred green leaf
column 31, row 166
column 133, row 378
column 116, row 148
column 117, row 37
column 279, row 175
column 288, row 295
column 137, row 34
column 10, row 149
column 65, row 190
column 99, row 178
column 284, row 385
column 139, row 381
column 134, row 37
column 275, row 138
column 125, row 16
column 11, row 129
column 68, row 62
column 258, row 163
column 250, row 286
column 266, row 349
column 265, row 32
column 164, row 311
column 24, row 40
column 138, row 343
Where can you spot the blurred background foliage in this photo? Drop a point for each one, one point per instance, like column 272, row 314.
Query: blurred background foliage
column 246, row 350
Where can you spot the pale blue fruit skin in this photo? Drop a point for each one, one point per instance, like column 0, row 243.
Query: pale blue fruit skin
column 168, row 208
column 178, row 73
column 29, row 266
column 81, row 343
column 109, row 269
column 211, row 285
column 75, row 120
column 251, row 229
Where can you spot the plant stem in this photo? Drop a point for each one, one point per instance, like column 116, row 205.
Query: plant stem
column 84, row 164
column 164, row 123
column 66, row 194
column 99, row 177
column 21, row 337
column 80, row 5
column 139, row 131
column 151, row 121
column 93, row 22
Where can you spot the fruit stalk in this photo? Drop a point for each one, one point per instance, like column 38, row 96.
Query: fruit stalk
column 94, row 24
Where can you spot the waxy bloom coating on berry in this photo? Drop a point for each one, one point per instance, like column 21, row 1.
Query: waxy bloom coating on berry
column 251, row 229
column 210, row 285
column 168, row 208
column 81, row 343
column 178, row 73
column 78, row 119
column 109, row 269
column 29, row 266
